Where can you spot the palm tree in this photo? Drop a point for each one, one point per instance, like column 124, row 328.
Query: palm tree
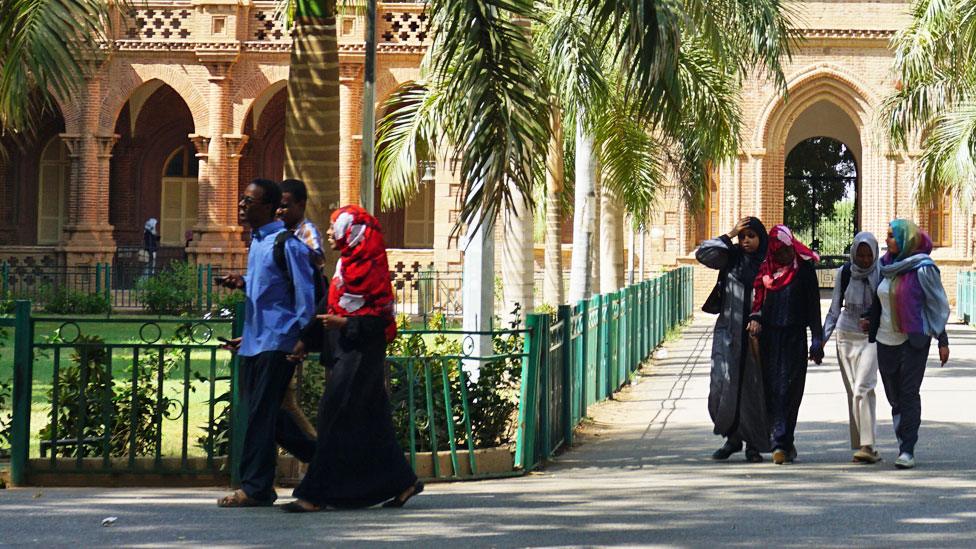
column 934, row 98
column 312, row 112
column 46, row 49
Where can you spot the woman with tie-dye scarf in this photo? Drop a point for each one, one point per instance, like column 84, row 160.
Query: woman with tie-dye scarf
column 909, row 309
column 786, row 302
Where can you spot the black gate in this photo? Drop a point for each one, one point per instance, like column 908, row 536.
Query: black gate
column 828, row 229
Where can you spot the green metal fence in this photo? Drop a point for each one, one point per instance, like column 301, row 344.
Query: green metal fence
column 966, row 296
column 585, row 353
column 160, row 397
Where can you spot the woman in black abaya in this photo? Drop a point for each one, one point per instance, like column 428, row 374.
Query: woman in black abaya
column 358, row 461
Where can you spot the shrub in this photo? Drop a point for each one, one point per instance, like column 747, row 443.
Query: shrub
column 5, row 419
column 229, row 301
column 64, row 300
column 173, row 291
column 87, row 374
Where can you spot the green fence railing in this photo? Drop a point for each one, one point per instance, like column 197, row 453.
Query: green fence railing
column 585, row 353
column 966, row 296
column 159, row 396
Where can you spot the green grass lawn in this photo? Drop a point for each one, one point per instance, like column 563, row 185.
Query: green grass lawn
column 128, row 334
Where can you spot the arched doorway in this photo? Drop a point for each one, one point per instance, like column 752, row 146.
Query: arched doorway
column 822, row 178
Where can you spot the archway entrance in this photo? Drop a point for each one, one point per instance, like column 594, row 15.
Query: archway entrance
column 822, row 179
column 820, row 194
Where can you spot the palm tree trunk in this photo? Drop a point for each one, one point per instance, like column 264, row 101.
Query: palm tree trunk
column 583, row 215
column 312, row 113
column 553, row 291
column 611, row 244
column 518, row 261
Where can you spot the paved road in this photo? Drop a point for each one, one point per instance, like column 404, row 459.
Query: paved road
column 640, row 476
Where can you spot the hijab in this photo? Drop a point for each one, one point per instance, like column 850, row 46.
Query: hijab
column 861, row 294
column 906, row 293
column 361, row 284
column 745, row 270
column 773, row 276
column 151, row 225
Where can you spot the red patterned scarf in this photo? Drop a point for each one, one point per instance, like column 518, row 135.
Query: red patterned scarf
column 773, row 276
column 361, row 285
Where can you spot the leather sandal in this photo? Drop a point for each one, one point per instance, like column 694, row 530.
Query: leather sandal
column 238, row 498
column 297, row 507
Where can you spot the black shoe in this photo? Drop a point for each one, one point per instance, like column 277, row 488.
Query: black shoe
column 400, row 501
column 753, row 455
column 726, row 450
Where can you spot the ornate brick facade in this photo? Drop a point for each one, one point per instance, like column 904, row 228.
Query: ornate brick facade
column 209, row 76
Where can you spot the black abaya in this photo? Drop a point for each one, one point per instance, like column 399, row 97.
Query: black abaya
column 358, row 461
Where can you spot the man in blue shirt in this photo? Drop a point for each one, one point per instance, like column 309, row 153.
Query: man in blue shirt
column 278, row 305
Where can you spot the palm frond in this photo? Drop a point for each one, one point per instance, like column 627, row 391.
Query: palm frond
column 494, row 104
column 632, row 170
column 948, row 161
column 46, row 47
column 409, row 129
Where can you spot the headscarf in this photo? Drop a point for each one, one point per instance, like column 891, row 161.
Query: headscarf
column 773, row 276
column 906, row 293
column 361, row 284
column 745, row 271
column 862, row 294
column 151, row 225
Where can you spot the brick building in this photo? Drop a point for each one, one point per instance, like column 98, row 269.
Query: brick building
column 188, row 105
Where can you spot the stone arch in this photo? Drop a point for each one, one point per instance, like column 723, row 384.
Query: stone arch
column 129, row 78
column 820, row 86
column 805, row 88
column 258, row 85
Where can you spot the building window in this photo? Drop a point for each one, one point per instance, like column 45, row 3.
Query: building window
column 52, row 191
column 418, row 219
column 708, row 219
column 178, row 205
column 940, row 221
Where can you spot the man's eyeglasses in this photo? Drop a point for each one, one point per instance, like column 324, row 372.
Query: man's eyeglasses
column 249, row 200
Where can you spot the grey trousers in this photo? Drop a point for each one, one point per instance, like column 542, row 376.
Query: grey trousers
column 902, row 368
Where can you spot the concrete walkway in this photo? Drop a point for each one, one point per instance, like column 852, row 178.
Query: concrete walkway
column 639, row 476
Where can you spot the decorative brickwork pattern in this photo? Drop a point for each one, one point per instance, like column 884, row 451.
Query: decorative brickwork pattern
column 158, row 24
column 404, row 27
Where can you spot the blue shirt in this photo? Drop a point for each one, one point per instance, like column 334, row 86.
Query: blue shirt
column 273, row 316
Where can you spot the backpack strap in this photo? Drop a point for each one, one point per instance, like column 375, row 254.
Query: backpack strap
column 280, row 259
column 845, row 281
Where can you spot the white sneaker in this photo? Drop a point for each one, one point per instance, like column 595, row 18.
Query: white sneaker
column 905, row 461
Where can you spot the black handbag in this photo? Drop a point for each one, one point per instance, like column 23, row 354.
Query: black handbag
column 713, row 303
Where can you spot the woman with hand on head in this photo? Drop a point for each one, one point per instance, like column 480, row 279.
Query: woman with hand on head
column 358, row 461
column 785, row 304
column 854, row 286
column 736, row 400
column 910, row 309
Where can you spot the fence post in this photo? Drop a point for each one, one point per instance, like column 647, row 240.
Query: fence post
column 108, row 282
column 199, row 287
column 529, row 397
column 237, row 408
column 580, row 354
column 98, row 279
column 209, row 287
column 6, row 279
column 571, row 381
column 23, row 387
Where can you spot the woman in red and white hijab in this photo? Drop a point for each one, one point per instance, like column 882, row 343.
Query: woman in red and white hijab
column 358, row 461
column 786, row 301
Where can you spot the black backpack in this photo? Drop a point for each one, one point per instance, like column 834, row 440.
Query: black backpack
column 282, row 262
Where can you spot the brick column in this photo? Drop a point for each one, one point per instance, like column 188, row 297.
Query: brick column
column 87, row 235
column 350, row 131
column 216, row 236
